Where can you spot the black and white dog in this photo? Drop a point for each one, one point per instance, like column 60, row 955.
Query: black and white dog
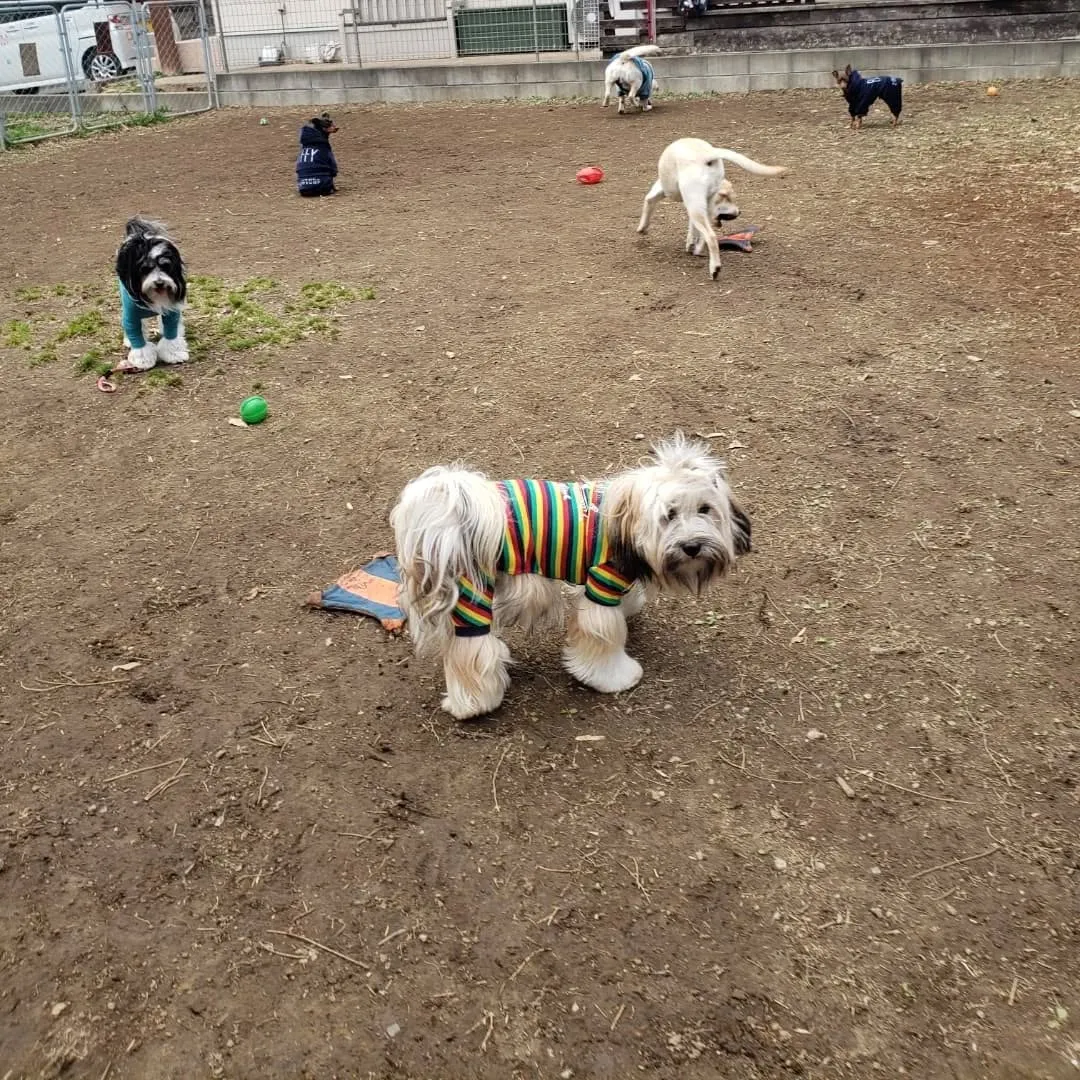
column 150, row 272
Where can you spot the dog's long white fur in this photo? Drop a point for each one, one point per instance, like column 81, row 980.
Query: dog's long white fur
column 691, row 171
column 620, row 69
column 447, row 525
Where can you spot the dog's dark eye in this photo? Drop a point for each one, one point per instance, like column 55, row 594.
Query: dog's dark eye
column 670, row 513
column 704, row 511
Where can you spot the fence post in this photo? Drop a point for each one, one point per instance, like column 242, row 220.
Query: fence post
column 208, row 60
column 650, row 8
column 69, row 68
column 219, row 30
column 144, row 56
column 3, row 131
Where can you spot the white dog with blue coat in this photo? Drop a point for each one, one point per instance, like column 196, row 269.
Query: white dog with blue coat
column 631, row 77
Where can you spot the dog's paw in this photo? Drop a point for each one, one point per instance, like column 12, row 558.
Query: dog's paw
column 172, row 351
column 140, row 359
column 607, row 675
column 464, row 706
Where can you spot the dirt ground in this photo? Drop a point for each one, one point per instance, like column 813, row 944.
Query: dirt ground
column 835, row 832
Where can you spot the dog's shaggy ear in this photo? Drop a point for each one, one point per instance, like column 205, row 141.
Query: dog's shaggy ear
column 847, row 72
column 623, row 523
column 836, row 74
column 740, row 527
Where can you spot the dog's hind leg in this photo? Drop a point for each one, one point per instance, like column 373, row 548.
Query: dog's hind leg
column 700, row 222
column 595, row 651
column 693, row 243
column 656, row 193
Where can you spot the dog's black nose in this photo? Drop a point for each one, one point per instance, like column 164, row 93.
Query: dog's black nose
column 691, row 549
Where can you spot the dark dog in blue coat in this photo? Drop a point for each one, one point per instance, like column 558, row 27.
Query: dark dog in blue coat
column 860, row 93
column 316, row 166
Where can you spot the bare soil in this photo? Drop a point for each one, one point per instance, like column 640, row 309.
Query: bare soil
column 834, row 833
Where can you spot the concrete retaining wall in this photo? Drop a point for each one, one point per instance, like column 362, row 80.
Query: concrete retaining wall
column 701, row 73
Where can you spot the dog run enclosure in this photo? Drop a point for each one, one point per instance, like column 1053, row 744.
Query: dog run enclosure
column 86, row 66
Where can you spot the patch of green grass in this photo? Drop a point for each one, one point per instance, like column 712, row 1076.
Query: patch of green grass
column 88, row 324
column 46, row 355
column 16, row 334
column 162, row 380
column 257, row 314
column 325, row 295
column 28, row 127
column 93, row 362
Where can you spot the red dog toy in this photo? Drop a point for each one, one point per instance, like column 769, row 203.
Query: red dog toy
column 591, row 174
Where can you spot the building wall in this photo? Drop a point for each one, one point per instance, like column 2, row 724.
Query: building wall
column 878, row 23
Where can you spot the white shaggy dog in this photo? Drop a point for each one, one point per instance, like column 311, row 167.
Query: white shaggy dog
column 632, row 77
column 478, row 554
column 691, row 171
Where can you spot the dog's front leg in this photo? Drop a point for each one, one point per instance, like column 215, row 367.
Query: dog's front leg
column 656, row 193
column 634, row 601
column 595, row 651
column 142, row 355
column 172, row 345
column 476, row 676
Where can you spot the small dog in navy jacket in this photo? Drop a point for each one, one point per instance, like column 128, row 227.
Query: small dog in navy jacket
column 316, row 166
column 860, row 93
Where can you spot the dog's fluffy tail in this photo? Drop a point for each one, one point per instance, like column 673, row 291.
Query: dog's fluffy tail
column 641, row 50
column 750, row 165
column 448, row 524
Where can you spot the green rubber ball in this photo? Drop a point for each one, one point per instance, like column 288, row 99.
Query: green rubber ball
column 253, row 410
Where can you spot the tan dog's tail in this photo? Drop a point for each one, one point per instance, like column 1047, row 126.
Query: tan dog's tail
column 750, row 165
column 641, row 50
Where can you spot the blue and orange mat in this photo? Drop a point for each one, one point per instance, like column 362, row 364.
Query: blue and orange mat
column 372, row 590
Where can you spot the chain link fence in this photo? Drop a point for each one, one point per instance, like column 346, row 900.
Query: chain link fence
column 274, row 33
column 86, row 66
column 83, row 65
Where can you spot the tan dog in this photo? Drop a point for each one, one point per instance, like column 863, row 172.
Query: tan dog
column 691, row 171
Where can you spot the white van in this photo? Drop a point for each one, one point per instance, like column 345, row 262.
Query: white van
column 100, row 36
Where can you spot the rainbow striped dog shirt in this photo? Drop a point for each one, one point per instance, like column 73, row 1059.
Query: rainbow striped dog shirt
column 553, row 530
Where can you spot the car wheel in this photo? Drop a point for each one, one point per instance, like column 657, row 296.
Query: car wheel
column 100, row 66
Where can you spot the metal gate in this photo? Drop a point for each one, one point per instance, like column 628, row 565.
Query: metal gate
column 81, row 66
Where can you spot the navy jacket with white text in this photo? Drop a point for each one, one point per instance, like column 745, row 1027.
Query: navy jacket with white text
column 316, row 165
